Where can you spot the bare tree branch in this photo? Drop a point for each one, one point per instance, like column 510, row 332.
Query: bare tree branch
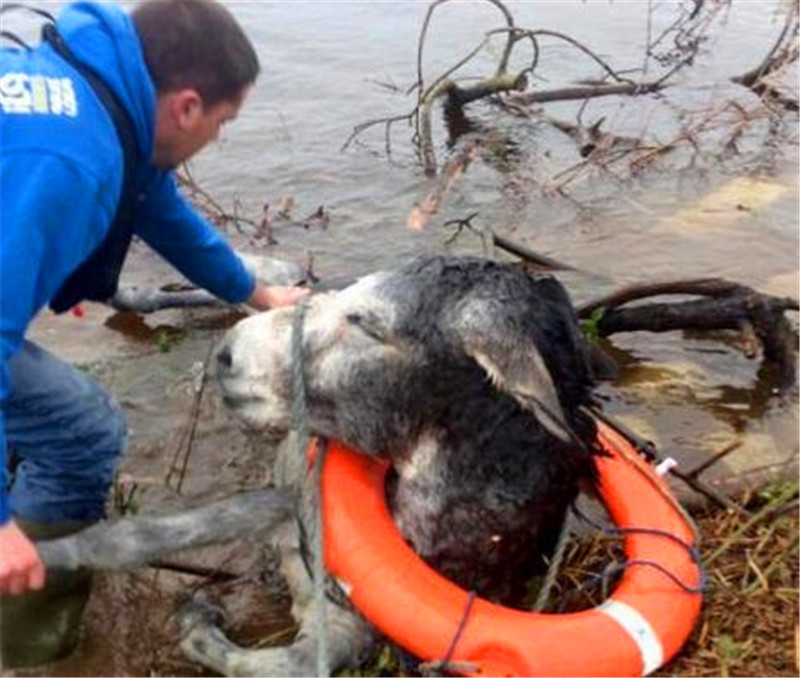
column 726, row 306
column 422, row 212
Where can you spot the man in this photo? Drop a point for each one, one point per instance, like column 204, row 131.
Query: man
column 76, row 183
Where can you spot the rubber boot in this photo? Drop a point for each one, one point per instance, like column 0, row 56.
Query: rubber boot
column 42, row 626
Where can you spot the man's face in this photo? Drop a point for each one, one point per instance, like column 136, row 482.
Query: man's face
column 184, row 126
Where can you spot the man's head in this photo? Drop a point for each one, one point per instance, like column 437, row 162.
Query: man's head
column 202, row 65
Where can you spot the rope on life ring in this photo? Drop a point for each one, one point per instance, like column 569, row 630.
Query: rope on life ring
column 640, row 627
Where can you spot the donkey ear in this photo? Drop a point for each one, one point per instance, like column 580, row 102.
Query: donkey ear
column 494, row 336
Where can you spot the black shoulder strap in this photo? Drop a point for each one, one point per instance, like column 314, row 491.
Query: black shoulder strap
column 96, row 279
column 118, row 113
column 7, row 7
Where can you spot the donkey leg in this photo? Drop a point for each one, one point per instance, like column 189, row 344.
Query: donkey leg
column 128, row 543
column 349, row 639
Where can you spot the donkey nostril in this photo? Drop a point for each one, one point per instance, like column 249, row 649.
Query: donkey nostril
column 225, row 358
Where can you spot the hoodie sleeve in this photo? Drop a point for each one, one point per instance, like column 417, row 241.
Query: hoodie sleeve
column 177, row 232
column 50, row 221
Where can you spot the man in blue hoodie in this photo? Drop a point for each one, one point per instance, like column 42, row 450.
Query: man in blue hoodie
column 83, row 168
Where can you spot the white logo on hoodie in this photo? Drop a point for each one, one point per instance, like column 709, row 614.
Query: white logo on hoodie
column 34, row 94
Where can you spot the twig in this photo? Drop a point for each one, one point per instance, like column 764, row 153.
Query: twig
column 422, row 212
column 757, row 570
column 187, row 439
column 194, row 570
column 537, row 260
column 586, row 92
column 388, row 121
column 706, row 491
column 692, row 478
column 769, row 569
column 561, row 36
column 717, row 456
column 765, row 512
column 212, row 208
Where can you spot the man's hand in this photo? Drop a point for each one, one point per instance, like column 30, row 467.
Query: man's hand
column 21, row 569
column 265, row 298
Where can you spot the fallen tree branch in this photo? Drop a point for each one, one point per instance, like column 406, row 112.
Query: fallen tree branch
column 426, row 97
column 537, row 261
column 710, row 287
column 688, row 33
column 422, row 212
column 586, row 92
column 780, row 56
column 692, row 478
column 148, row 300
column 727, row 306
column 783, row 52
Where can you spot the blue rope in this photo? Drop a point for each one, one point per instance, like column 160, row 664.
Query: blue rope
column 446, row 663
column 614, row 568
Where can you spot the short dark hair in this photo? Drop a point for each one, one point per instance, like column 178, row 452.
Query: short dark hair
column 197, row 44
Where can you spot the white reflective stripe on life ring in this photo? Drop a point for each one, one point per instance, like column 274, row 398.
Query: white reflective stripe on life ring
column 640, row 630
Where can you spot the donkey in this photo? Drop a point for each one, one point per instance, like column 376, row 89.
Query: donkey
column 472, row 378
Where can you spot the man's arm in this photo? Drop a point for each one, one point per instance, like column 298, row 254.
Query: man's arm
column 191, row 244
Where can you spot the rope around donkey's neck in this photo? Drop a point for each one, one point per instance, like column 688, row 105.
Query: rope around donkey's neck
column 300, row 424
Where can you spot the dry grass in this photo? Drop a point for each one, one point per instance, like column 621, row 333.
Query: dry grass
column 750, row 621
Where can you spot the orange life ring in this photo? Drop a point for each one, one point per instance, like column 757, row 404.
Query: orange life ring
column 640, row 627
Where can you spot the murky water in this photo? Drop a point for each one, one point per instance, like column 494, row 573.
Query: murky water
column 323, row 63
column 331, row 65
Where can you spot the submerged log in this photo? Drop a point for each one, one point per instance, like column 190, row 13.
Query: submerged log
column 760, row 318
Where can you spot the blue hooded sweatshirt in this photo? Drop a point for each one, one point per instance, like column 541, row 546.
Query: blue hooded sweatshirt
column 61, row 172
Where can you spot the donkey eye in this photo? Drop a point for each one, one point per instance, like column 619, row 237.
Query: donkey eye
column 368, row 324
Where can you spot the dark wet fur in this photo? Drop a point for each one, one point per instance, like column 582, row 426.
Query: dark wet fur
column 505, row 481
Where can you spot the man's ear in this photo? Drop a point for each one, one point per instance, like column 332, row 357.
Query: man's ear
column 186, row 108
